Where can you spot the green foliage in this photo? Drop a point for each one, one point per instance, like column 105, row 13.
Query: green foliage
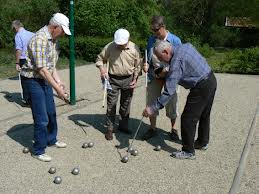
column 104, row 17
column 87, row 48
column 32, row 13
column 237, row 61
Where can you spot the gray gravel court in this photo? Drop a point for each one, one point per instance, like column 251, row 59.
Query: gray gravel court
column 101, row 171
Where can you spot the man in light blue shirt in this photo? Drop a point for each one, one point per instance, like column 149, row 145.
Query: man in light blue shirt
column 189, row 69
column 155, row 85
column 22, row 38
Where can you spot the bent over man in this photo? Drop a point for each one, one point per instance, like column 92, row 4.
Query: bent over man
column 189, row 69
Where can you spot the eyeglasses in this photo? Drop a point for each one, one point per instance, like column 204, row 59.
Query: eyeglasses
column 155, row 29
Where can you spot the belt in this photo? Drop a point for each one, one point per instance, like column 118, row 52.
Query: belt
column 204, row 78
column 119, row 76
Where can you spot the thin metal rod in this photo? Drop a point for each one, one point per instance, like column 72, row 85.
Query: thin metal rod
column 135, row 135
column 20, row 83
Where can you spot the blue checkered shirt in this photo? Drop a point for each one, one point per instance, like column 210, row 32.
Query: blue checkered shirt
column 187, row 68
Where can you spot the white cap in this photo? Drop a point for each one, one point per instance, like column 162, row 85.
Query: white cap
column 121, row 36
column 62, row 20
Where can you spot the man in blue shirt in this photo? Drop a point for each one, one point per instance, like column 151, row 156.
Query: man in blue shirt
column 22, row 38
column 189, row 69
column 155, row 85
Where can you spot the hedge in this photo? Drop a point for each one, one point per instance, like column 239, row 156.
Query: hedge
column 88, row 48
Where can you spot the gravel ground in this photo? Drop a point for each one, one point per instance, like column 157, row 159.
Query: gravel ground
column 150, row 172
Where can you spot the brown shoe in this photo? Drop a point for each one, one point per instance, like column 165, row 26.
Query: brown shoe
column 108, row 135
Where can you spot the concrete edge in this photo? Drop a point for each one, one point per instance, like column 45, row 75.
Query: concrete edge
column 242, row 162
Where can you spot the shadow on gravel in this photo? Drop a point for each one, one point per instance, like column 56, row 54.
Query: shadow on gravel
column 23, row 134
column 14, row 98
column 14, row 78
column 98, row 121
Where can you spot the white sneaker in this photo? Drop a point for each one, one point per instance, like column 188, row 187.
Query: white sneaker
column 42, row 157
column 60, row 144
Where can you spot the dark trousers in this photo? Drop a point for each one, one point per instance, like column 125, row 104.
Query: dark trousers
column 197, row 109
column 40, row 96
column 120, row 85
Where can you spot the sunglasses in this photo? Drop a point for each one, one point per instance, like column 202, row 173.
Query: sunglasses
column 155, row 29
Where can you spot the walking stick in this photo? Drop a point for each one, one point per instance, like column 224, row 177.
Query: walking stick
column 20, row 83
column 146, row 72
column 105, row 87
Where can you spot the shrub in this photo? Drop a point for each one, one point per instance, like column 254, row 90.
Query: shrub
column 88, row 47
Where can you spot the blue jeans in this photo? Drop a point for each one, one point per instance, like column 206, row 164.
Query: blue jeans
column 40, row 95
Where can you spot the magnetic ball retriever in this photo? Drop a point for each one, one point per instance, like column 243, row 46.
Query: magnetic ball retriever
column 134, row 152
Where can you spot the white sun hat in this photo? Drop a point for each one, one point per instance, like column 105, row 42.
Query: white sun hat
column 63, row 21
column 121, row 36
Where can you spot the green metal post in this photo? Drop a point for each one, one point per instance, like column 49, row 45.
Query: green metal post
column 72, row 55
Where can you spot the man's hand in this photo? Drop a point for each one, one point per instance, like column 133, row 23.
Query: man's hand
column 104, row 73
column 133, row 84
column 62, row 94
column 18, row 68
column 145, row 67
column 148, row 112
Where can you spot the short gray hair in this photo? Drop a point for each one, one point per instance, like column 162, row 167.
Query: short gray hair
column 17, row 24
column 157, row 21
column 53, row 22
column 161, row 45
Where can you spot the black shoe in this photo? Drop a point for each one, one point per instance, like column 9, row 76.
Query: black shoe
column 127, row 131
column 174, row 135
column 149, row 134
column 198, row 146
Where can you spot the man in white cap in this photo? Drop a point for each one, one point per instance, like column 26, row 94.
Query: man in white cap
column 39, row 76
column 124, row 59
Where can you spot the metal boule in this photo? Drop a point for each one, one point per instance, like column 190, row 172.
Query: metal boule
column 26, row 150
column 52, row 170
column 75, row 171
column 57, row 180
column 134, row 152
column 90, row 144
column 125, row 159
column 157, row 148
column 85, row 145
column 130, row 149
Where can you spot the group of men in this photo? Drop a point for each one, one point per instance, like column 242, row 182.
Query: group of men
column 169, row 63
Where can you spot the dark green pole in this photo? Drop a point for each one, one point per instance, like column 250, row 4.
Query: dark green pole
column 72, row 55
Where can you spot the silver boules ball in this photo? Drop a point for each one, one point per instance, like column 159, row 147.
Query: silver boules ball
column 75, row 171
column 85, row 145
column 57, row 180
column 134, row 153
column 130, row 149
column 90, row 144
column 125, row 159
column 26, row 150
column 157, row 148
column 52, row 170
